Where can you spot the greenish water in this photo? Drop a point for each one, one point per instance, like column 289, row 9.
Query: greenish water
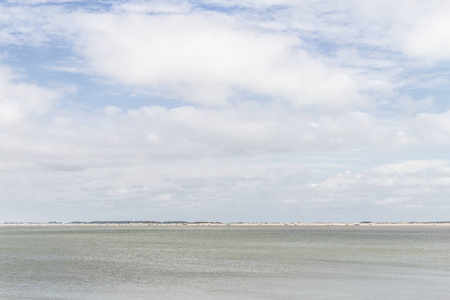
column 259, row 262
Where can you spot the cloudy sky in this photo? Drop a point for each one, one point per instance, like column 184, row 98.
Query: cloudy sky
column 211, row 110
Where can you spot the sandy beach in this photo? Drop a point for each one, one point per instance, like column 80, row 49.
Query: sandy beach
column 237, row 224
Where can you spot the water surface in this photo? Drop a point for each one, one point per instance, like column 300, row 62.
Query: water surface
column 224, row 262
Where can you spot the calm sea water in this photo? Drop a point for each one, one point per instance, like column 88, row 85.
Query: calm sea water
column 260, row 262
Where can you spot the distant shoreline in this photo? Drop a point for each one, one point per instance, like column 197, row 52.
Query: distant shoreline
column 235, row 224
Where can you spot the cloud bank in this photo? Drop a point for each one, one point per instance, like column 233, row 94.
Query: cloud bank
column 265, row 110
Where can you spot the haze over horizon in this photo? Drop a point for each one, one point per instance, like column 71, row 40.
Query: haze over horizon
column 255, row 111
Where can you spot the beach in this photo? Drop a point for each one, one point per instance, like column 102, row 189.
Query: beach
column 197, row 224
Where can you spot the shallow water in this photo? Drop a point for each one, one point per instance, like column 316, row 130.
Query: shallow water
column 224, row 262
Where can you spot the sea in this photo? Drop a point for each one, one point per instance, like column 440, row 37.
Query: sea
column 224, row 262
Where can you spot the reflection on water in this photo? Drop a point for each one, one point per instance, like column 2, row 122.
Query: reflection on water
column 220, row 262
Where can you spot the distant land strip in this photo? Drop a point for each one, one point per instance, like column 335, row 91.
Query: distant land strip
column 185, row 223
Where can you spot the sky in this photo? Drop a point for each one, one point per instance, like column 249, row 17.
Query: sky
column 227, row 111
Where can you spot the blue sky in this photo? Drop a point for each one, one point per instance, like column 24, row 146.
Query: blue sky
column 271, row 111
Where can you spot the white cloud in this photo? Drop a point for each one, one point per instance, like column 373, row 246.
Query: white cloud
column 153, row 7
column 429, row 38
column 116, row 137
column 412, row 166
column 112, row 111
column 18, row 100
column 433, row 127
column 206, row 57
column 415, row 182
